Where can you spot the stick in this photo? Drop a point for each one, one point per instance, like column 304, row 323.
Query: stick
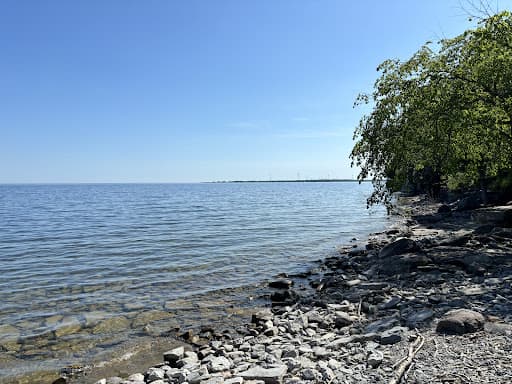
column 402, row 368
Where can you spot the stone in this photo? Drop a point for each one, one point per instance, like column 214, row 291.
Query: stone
column 342, row 319
column 113, row 324
column 218, row 364
column 101, row 381
column 213, row 380
column 174, row 355
column 444, row 208
column 416, row 318
column 268, row 375
column 281, row 284
column 136, row 377
column 68, row 326
column 311, row 374
column 397, row 247
column 261, row 317
column 392, row 336
column 375, row 359
column 234, row 380
column 284, row 297
column 391, row 303
column 381, row 325
column 153, row 374
column 114, row 380
column 461, row 321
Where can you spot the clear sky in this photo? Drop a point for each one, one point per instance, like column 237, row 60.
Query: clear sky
column 178, row 91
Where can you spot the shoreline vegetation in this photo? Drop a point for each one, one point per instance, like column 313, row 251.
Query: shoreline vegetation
column 427, row 299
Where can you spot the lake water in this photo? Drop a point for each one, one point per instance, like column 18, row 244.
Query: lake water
column 83, row 267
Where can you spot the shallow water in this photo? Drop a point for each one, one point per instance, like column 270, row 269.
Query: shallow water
column 83, row 267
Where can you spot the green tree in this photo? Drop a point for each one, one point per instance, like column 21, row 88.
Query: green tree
column 441, row 116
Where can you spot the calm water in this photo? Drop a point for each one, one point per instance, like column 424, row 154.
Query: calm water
column 74, row 256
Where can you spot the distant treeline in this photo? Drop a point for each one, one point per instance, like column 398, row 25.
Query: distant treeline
column 442, row 120
column 293, row 181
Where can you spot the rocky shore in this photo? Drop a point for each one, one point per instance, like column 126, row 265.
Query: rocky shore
column 427, row 301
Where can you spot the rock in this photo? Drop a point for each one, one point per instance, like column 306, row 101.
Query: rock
column 153, row 374
column 375, row 359
column 68, row 326
column 390, row 303
column 281, row 284
column 101, row 381
column 444, row 208
column 234, row 380
column 399, row 246
column 268, row 375
column 213, row 380
column 403, row 263
column 392, row 336
column 460, row 321
column 416, row 318
column 498, row 328
column 468, row 203
column 113, row 324
column 114, row 380
column 136, row 377
column 174, row 355
column 381, row 325
column 311, row 375
column 261, row 317
column 284, row 297
column 218, row 364
column 342, row 319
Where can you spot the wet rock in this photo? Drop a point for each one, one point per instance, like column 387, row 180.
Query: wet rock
column 174, row 355
column 281, row 283
column 268, row 375
column 113, row 324
column 284, row 297
column 148, row 317
column 68, row 326
column 261, row 317
column 460, row 321
column 398, row 247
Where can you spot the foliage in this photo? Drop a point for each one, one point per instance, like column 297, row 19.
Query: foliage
column 443, row 115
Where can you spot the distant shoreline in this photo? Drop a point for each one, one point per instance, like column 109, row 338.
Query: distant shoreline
column 292, row 181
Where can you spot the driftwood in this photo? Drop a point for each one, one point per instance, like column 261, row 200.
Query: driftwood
column 403, row 365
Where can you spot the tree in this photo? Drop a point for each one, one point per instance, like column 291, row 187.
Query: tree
column 441, row 116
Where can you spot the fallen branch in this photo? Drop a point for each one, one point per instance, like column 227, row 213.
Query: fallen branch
column 404, row 365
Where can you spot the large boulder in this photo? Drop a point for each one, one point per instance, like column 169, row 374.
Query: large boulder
column 398, row 247
column 461, row 321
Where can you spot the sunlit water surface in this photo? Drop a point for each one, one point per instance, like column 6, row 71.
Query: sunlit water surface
column 84, row 267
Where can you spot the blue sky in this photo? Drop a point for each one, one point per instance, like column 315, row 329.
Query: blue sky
column 186, row 91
